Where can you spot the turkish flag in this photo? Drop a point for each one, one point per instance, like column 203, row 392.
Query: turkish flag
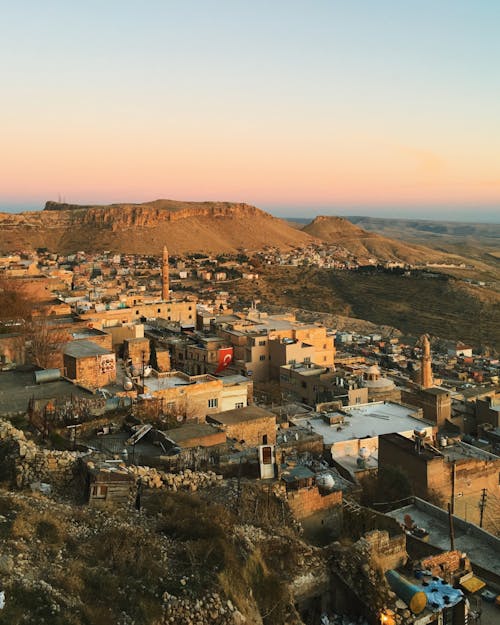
column 225, row 358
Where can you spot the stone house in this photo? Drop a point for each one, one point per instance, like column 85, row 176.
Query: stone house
column 89, row 364
column 251, row 424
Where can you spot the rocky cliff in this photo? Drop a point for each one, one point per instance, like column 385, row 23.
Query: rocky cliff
column 146, row 228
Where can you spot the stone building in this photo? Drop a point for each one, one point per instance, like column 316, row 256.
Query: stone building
column 262, row 342
column 89, row 364
column 195, row 397
column 312, row 385
column 255, row 426
column 176, row 311
column 108, row 485
column 379, row 387
column 457, row 473
column 435, row 403
column 137, row 351
column 196, row 435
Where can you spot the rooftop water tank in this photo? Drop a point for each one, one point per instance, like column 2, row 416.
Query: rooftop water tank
column 325, row 480
column 47, row 375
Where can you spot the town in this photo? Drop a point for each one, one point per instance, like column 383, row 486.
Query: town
column 126, row 378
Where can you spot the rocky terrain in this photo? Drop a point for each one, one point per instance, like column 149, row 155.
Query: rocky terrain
column 145, row 228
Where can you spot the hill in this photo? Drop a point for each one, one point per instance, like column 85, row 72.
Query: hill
column 475, row 240
column 415, row 304
column 145, row 228
column 363, row 244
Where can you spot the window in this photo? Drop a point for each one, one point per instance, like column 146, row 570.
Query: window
column 213, row 403
column 190, row 308
column 190, row 316
column 262, row 342
column 100, row 491
column 307, row 359
column 159, row 310
column 239, row 404
column 136, row 312
column 263, row 357
column 303, row 384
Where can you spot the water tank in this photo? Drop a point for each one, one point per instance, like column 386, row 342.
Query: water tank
column 412, row 595
column 325, row 480
column 128, row 384
column 135, row 371
column 47, row 375
column 443, row 441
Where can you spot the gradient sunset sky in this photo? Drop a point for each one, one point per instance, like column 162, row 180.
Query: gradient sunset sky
column 377, row 107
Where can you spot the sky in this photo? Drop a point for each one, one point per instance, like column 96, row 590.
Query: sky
column 367, row 107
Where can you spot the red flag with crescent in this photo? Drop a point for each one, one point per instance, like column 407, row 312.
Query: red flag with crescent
column 225, row 358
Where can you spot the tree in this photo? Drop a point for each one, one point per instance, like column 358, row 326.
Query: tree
column 45, row 342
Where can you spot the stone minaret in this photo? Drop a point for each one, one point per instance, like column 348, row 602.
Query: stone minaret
column 425, row 366
column 165, row 287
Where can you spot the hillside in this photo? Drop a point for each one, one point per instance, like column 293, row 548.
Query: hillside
column 475, row 240
column 363, row 244
column 145, row 228
column 414, row 304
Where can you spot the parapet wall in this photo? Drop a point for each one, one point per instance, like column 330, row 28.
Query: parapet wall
column 307, row 501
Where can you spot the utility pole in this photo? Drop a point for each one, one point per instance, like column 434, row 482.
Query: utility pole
column 482, row 505
column 453, row 473
column 452, row 530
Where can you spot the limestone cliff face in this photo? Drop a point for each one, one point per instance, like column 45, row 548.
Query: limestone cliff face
column 145, row 228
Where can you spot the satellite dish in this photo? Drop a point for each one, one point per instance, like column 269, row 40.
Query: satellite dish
column 180, row 418
column 147, row 371
column 128, row 384
column 364, row 453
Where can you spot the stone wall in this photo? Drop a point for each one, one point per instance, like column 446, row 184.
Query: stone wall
column 184, row 480
column 307, row 501
column 23, row 462
column 443, row 564
column 210, row 610
column 387, row 553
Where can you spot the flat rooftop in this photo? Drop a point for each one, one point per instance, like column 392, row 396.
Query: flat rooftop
column 229, row 380
column 481, row 547
column 241, row 415
column 18, row 387
column 190, row 431
column 176, row 380
column 461, row 451
column 365, row 420
column 84, row 349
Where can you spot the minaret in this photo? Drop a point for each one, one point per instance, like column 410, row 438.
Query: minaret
column 164, row 275
column 425, row 365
